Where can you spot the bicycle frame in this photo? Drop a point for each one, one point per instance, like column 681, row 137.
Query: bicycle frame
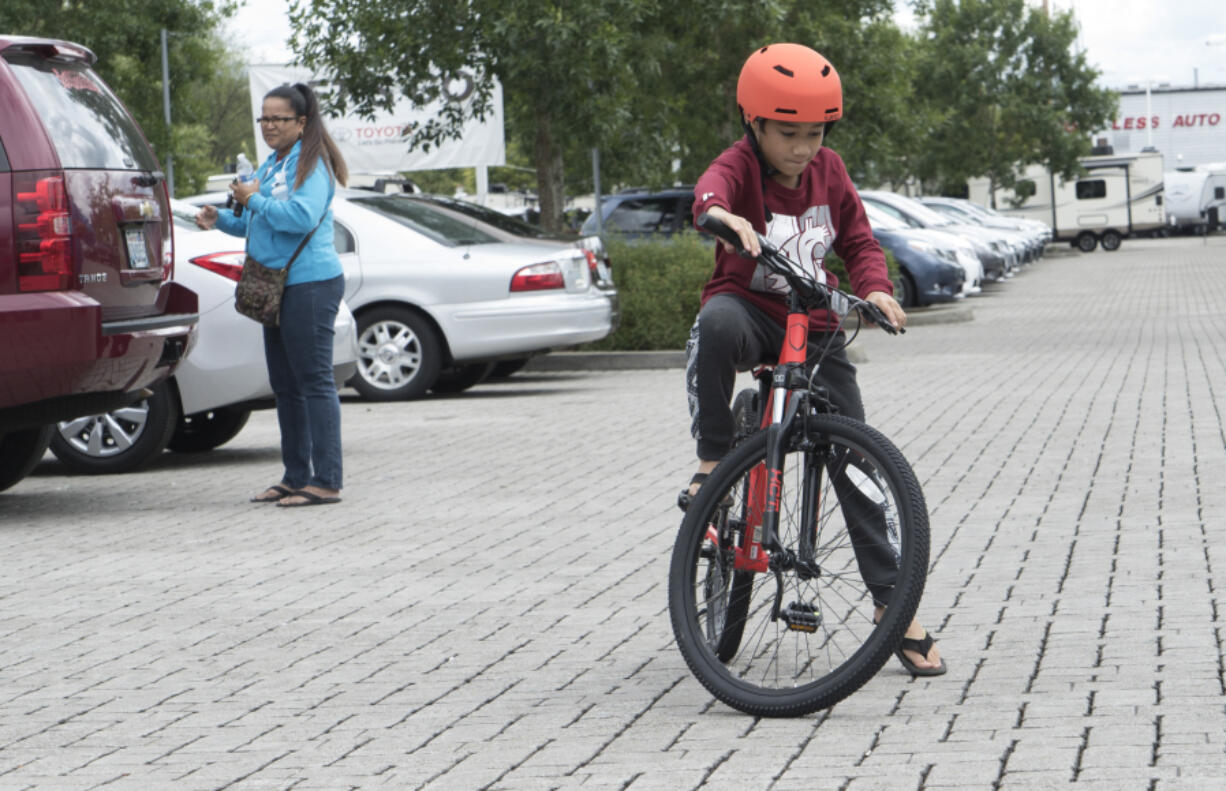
column 760, row 550
column 762, row 511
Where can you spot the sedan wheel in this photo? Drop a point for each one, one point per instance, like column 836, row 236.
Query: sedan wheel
column 904, row 291
column 207, row 430
column 399, row 355
column 118, row 441
column 461, row 377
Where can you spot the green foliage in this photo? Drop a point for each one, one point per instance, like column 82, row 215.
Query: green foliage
column 660, row 282
column 1001, row 88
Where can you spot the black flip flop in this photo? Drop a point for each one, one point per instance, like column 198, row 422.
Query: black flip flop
column 921, row 647
column 311, row 499
column 685, row 498
column 282, row 493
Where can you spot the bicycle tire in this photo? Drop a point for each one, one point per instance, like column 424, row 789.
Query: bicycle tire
column 846, row 647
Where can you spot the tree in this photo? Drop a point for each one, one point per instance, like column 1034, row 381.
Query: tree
column 125, row 35
column 569, row 70
column 1001, row 88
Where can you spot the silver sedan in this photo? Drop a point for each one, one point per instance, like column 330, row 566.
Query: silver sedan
column 441, row 293
column 444, row 290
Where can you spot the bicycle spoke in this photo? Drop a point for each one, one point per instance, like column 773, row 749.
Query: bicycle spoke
column 822, row 641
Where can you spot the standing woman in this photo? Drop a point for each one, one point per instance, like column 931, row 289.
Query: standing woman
column 290, row 197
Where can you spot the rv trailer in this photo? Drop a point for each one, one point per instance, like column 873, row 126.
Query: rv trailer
column 1116, row 197
column 1196, row 198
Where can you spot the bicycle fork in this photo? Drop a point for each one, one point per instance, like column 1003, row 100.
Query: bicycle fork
column 762, row 550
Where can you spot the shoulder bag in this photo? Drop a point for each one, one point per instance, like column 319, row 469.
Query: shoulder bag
column 259, row 290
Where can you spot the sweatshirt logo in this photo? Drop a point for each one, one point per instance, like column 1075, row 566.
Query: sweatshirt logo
column 805, row 240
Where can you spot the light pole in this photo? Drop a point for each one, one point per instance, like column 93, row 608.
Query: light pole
column 170, row 157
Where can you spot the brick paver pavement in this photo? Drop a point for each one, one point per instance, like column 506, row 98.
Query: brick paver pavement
column 486, row 610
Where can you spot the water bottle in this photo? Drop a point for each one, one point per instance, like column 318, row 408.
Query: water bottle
column 244, row 170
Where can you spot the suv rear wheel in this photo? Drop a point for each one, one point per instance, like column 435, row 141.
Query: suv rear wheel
column 20, row 451
column 118, row 441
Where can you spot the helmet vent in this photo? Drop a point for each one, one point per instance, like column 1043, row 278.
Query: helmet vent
column 785, row 72
column 785, row 110
column 826, row 70
column 831, row 110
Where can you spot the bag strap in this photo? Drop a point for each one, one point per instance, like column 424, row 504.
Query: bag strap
column 307, row 238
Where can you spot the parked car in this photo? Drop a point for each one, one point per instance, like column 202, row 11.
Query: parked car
column 964, row 211
column 213, row 392
column 932, row 270
column 640, row 212
column 441, row 295
column 995, row 251
column 89, row 314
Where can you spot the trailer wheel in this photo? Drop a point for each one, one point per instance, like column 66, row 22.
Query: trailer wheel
column 1111, row 241
column 1086, row 241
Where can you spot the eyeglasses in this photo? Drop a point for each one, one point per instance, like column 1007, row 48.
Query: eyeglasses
column 275, row 119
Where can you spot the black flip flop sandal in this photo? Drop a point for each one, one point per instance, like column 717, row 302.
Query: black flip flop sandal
column 282, row 493
column 921, row 647
column 685, row 498
column 311, row 499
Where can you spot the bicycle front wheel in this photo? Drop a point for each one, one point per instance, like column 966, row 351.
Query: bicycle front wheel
column 798, row 632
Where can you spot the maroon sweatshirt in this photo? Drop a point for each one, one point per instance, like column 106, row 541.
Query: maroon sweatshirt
column 823, row 213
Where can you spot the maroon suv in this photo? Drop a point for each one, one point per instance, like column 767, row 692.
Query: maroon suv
column 89, row 315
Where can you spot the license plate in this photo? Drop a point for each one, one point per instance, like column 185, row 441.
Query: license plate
column 138, row 253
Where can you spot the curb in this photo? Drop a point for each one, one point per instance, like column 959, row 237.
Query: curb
column 675, row 358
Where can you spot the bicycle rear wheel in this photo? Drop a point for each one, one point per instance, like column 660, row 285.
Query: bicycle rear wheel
column 853, row 530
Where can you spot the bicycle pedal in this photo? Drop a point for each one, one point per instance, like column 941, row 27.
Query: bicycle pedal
column 801, row 617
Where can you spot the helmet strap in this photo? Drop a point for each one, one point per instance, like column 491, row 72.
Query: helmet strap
column 765, row 167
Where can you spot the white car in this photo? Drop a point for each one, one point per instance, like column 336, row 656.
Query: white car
column 212, row 393
column 443, row 290
column 947, row 246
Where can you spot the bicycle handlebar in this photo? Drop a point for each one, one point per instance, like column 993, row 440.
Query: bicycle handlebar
column 812, row 294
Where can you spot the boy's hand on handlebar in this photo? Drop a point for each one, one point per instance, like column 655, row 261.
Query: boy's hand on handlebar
column 890, row 307
column 743, row 228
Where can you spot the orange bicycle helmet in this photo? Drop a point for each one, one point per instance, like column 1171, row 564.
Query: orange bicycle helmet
column 789, row 82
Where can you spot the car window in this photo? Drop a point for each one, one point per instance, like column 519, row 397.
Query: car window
column 882, row 220
column 486, row 215
column 87, row 125
column 643, row 215
column 342, row 239
column 890, row 211
column 184, row 214
column 433, row 223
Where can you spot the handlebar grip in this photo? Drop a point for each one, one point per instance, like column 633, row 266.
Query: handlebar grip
column 716, row 226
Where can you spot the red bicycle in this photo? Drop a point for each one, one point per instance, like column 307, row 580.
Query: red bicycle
column 801, row 536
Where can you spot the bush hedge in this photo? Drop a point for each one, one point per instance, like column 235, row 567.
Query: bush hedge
column 660, row 283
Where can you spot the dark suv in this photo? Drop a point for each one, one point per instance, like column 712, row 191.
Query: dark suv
column 641, row 213
column 89, row 315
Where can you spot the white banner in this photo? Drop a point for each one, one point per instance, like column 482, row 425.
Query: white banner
column 380, row 145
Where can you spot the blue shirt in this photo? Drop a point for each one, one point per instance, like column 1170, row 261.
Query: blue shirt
column 278, row 217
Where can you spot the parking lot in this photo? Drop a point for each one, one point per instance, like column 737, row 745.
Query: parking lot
column 487, row 607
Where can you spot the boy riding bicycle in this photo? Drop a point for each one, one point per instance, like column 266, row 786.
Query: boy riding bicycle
column 781, row 182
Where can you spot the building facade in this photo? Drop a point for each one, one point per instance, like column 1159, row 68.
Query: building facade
column 1187, row 125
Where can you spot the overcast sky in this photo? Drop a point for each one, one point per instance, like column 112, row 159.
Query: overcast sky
column 1130, row 41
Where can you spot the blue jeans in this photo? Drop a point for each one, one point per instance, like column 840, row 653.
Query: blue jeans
column 299, row 357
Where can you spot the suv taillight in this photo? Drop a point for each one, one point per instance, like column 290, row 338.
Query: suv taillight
column 44, row 232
